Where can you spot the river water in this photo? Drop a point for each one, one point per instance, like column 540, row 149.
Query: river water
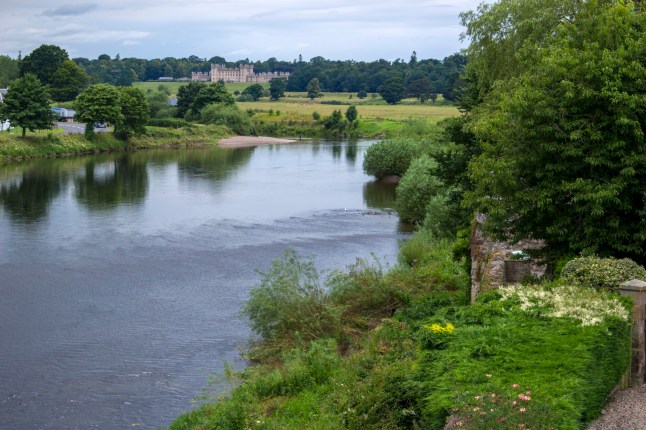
column 122, row 275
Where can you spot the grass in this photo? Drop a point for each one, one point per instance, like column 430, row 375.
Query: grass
column 54, row 143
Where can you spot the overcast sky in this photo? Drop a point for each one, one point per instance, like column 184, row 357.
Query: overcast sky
column 254, row 29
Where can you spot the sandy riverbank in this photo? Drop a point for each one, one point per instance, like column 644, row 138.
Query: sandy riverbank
column 242, row 141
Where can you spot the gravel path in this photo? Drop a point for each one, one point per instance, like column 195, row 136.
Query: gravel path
column 626, row 411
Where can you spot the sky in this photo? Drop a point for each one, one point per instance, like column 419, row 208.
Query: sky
column 234, row 29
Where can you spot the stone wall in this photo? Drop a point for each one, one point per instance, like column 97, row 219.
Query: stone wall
column 493, row 263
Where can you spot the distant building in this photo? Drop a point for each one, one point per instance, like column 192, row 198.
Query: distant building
column 165, row 78
column 242, row 74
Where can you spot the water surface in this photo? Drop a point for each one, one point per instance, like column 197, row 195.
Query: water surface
column 122, row 275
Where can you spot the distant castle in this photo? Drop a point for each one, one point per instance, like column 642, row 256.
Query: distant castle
column 244, row 73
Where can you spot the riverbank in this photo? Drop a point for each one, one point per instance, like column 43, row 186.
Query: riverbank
column 247, row 141
column 53, row 144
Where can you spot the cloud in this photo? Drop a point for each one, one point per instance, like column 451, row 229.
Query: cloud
column 71, row 9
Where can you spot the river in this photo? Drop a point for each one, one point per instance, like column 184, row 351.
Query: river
column 122, row 275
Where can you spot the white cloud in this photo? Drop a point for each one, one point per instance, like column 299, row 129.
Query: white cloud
column 336, row 29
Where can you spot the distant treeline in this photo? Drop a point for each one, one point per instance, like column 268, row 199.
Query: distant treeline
column 333, row 75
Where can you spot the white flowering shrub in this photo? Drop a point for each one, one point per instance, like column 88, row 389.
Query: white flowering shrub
column 588, row 307
column 601, row 273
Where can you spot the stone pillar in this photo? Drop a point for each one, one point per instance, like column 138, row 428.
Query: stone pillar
column 637, row 290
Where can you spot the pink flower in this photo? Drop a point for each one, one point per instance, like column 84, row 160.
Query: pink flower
column 515, row 386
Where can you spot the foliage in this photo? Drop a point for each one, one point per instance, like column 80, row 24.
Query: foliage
column 334, row 122
column 68, row 81
column 351, row 114
column 9, row 70
column 26, row 105
column 576, row 108
column 291, row 302
column 416, row 189
column 390, row 157
column 209, row 94
column 158, row 103
column 571, row 365
column 362, row 94
column 277, row 88
column 98, row 103
column 253, row 90
column 601, row 273
column 168, row 122
column 313, row 89
column 421, row 89
column 238, row 121
column 392, row 90
column 186, row 95
column 134, row 113
column 502, row 407
column 43, row 62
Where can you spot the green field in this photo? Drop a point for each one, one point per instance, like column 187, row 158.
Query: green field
column 371, row 107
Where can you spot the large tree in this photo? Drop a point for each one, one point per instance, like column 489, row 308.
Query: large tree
column 277, row 88
column 562, row 127
column 26, row 105
column 186, row 94
column 392, row 90
column 314, row 89
column 9, row 70
column 209, row 94
column 43, row 62
column 134, row 113
column 254, row 90
column 98, row 103
column 68, row 81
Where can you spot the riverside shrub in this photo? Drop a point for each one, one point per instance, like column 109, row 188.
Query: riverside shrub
column 416, row 189
column 601, row 273
column 390, row 157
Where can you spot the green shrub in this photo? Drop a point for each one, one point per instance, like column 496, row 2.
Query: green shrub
column 601, row 273
column 416, row 189
column 168, row 122
column 291, row 304
column 218, row 114
column 390, row 157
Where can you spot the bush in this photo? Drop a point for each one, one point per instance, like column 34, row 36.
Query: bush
column 390, row 157
column 290, row 304
column 416, row 189
column 168, row 122
column 218, row 114
column 601, row 273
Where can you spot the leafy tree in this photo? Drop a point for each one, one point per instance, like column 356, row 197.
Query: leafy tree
column 392, row 90
column 362, row 94
column 26, row 105
column 9, row 70
column 351, row 114
column 314, row 89
column 43, row 62
column 68, row 81
column 214, row 93
column 186, row 94
column 416, row 189
column 134, row 113
column 421, row 89
column 98, row 103
column 563, row 155
column 254, row 90
column 277, row 88
column 391, row 157
column 237, row 121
